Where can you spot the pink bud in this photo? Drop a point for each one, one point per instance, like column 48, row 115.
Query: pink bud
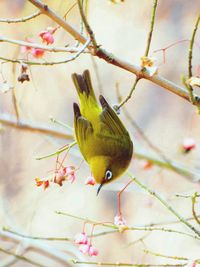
column 69, row 170
column 47, row 36
column 81, row 238
column 90, row 181
column 37, row 52
column 189, row 144
column 84, row 248
column 119, row 220
column 71, row 177
column 92, row 251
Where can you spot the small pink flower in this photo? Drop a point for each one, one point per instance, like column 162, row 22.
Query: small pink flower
column 47, row 35
column 92, row 251
column 90, row 181
column 71, row 177
column 84, row 248
column 37, row 52
column 81, row 239
column 189, row 144
column 119, row 220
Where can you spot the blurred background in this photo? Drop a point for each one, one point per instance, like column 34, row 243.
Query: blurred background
column 165, row 118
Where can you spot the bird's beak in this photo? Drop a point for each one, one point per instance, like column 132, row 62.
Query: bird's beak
column 99, row 188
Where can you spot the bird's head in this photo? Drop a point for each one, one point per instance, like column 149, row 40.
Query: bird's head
column 103, row 170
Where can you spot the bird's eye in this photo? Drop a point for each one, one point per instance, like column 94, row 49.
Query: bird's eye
column 108, row 175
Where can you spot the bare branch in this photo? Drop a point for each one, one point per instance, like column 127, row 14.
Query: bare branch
column 151, row 27
column 34, row 15
column 40, row 46
column 25, row 125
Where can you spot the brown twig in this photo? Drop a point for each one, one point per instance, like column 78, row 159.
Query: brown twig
column 87, row 26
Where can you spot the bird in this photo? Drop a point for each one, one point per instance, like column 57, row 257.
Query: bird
column 101, row 136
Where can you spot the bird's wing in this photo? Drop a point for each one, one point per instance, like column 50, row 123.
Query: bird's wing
column 111, row 120
column 83, row 130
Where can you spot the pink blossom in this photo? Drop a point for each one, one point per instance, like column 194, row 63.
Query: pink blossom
column 47, row 35
column 90, row 181
column 84, row 248
column 92, row 251
column 65, row 173
column 189, row 144
column 81, row 238
column 37, row 52
column 119, row 220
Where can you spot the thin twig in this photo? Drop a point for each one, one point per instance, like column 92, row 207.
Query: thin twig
column 151, row 27
column 40, row 46
column 174, row 212
column 131, row 228
column 37, row 237
column 22, row 258
column 146, row 54
column 168, row 257
column 125, row 264
column 190, row 55
column 14, row 91
column 190, row 175
column 87, row 26
column 24, row 19
column 193, row 208
column 130, row 93
column 25, row 125
column 59, row 151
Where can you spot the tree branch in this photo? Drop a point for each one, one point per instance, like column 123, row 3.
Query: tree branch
column 25, row 125
column 40, row 46
column 109, row 58
column 34, row 15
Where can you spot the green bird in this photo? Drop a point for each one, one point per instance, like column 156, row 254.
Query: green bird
column 101, row 136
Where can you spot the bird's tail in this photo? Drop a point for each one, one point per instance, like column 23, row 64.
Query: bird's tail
column 83, row 86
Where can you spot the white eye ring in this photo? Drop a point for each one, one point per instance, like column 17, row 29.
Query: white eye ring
column 108, row 175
